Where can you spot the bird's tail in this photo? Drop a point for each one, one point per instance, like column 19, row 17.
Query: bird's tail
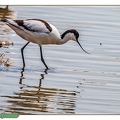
column 10, row 23
column 5, row 20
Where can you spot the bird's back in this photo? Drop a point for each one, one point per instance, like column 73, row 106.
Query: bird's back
column 35, row 30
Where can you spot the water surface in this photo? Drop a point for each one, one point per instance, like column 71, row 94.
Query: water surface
column 77, row 83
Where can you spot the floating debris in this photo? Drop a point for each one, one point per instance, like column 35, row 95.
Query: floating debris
column 6, row 61
column 5, row 43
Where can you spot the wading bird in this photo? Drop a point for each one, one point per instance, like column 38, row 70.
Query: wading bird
column 41, row 32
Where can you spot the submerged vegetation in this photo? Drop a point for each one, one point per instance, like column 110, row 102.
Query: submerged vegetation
column 5, row 61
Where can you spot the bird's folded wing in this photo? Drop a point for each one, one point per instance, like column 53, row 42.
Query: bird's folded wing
column 35, row 25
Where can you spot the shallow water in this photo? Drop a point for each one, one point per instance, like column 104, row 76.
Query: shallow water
column 77, row 83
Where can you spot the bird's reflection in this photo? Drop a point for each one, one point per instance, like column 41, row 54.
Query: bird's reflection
column 22, row 76
column 36, row 99
column 42, row 76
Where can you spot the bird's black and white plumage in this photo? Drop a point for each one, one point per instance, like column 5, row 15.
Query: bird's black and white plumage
column 41, row 32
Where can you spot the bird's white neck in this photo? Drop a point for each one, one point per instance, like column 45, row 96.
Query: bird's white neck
column 67, row 37
column 62, row 41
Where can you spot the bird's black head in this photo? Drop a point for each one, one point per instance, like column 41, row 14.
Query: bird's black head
column 73, row 37
column 76, row 34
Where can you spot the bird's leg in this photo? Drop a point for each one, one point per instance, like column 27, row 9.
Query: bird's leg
column 42, row 59
column 23, row 54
